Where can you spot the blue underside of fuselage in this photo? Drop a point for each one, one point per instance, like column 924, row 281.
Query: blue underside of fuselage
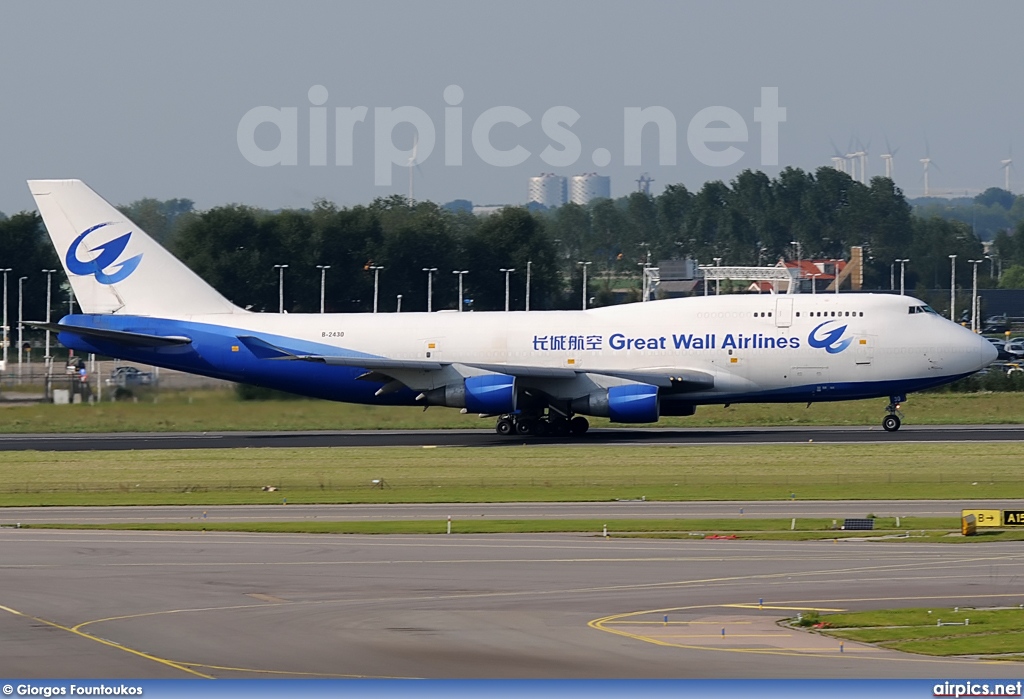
column 215, row 351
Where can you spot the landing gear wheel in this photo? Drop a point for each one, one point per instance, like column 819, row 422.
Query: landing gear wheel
column 543, row 428
column 579, row 425
column 505, row 427
column 890, row 423
column 559, row 426
column 526, row 427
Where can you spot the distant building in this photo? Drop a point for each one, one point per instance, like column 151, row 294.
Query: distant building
column 548, row 190
column 487, row 209
column 588, row 187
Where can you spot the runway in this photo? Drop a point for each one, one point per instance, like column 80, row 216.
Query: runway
column 487, row 438
column 142, row 605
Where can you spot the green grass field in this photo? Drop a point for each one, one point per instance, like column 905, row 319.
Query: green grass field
column 210, row 410
column 989, row 632
column 515, row 474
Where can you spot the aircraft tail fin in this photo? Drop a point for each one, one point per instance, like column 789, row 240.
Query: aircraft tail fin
column 113, row 265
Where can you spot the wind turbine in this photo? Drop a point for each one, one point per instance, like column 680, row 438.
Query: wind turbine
column 838, row 160
column 862, row 153
column 413, row 165
column 926, row 161
column 887, row 157
column 1007, row 165
column 852, row 157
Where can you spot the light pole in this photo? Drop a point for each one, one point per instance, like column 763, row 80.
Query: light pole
column 796, row 244
column 430, row 287
column 643, row 281
column 529, row 264
column 398, row 309
column 814, row 285
column 49, row 276
column 718, row 281
column 974, row 296
column 584, row 265
column 376, row 283
column 507, row 273
column 460, row 272
column 21, row 342
column 280, row 287
column 6, row 329
column 952, row 288
column 71, row 299
column 892, row 277
column 903, row 270
column 323, row 284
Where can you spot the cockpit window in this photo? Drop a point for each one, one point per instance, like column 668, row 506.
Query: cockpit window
column 929, row 309
column 921, row 309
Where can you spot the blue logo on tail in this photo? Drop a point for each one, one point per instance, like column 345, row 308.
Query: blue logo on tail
column 830, row 342
column 107, row 257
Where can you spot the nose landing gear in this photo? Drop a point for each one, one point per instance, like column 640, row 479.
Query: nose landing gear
column 891, row 422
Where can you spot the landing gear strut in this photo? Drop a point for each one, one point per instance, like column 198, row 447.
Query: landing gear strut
column 891, row 422
column 551, row 425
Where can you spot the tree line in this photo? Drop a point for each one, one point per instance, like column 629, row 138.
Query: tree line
column 753, row 220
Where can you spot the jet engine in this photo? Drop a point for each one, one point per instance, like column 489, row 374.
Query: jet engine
column 493, row 394
column 636, row 402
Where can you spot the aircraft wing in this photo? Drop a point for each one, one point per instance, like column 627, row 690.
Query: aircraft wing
column 676, row 379
column 127, row 338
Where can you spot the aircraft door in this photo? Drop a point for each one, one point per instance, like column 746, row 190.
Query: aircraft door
column 864, row 349
column 783, row 312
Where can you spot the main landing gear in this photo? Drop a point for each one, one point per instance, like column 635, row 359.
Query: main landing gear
column 551, row 425
column 891, row 422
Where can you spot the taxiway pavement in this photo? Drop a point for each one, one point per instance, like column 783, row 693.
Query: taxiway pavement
column 180, row 604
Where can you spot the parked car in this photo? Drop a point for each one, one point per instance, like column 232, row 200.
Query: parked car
column 128, row 376
column 1016, row 347
column 996, row 324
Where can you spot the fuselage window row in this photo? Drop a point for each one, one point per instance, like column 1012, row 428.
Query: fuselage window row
column 839, row 314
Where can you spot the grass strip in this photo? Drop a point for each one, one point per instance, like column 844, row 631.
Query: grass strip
column 220, row 410
column 535, row 473
column 964, row 631
column 748, row 526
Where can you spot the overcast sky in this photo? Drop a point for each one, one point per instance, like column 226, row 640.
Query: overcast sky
column 145, row 99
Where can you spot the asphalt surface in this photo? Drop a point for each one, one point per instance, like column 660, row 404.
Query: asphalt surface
column 143, row 605
column 439, row 512
column 488, row 438
column 177, row 604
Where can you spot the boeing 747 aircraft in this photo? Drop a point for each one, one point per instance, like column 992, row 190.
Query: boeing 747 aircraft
column 539, row 372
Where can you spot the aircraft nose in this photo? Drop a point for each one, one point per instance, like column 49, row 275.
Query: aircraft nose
column 988, row 352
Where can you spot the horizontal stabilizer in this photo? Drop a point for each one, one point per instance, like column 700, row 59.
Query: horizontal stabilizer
column 120, row 336
column 262, row 349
